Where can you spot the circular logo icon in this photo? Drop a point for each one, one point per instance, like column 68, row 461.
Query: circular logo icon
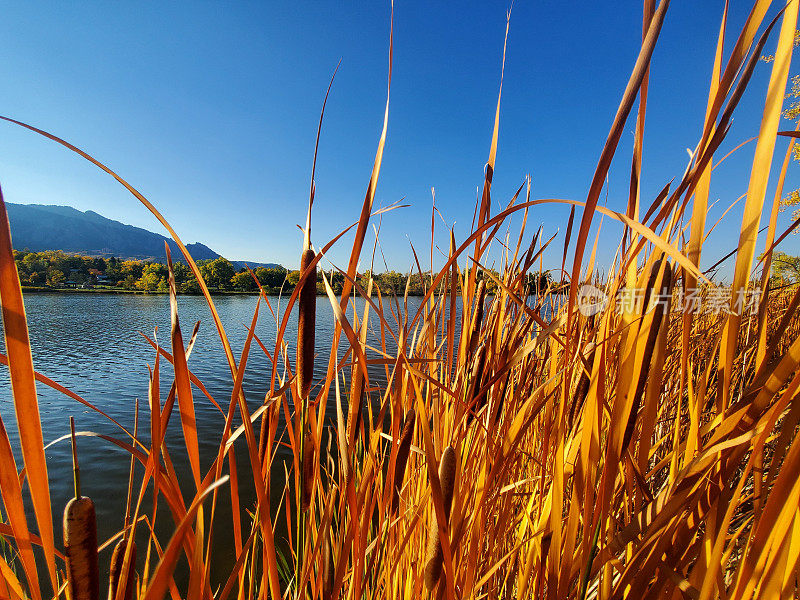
column 591, row 300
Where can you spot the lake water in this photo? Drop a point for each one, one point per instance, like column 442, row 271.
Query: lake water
column 92, row 345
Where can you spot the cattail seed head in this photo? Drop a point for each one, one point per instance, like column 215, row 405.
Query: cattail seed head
column 402, row 457
column 476, row 402
column 582, row 389
column 328, row 569
column 434, row 556
column 477, row 316
column 115, row 571
column 80, row 549
column 651, row 282
column 306, row 320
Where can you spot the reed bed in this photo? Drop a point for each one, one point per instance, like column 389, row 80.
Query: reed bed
column 528, row 446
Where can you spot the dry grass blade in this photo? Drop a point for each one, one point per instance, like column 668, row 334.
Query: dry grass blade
column 369, row 197
column 182, row 384
column 629, row 96
column 23, row 388
column 189, row 260
column 11, row 491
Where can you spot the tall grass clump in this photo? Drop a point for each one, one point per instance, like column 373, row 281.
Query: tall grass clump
column 519, row 443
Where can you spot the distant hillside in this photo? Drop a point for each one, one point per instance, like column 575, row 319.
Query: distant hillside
column 40, row 227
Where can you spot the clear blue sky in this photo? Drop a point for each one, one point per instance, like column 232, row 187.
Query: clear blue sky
column 211, row 109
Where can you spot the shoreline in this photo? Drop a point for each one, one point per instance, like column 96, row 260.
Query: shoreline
column 119, row 291
column 122, row 291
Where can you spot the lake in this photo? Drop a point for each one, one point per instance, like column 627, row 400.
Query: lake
column 91, row 344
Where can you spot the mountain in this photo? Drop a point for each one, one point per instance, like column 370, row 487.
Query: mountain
column 39, row 227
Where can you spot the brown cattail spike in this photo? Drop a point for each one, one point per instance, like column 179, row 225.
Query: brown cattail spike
column 115, row 571
column 328, row 569
column 477, row 316
column 476, row 402
column 80, row 538
column 582, row 388
column 80, row 549
column 434, row 556
column 402, row 457
column 307, row 301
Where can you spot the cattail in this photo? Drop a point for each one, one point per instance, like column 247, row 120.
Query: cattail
column 434, row 556
column 477, row 316
column 80, row 539
column 476, row 402
column 308, row 469
column 80, row 545
column 497, row 407
column 328, row 569
column 307, row 302
column 582, row 389
column 547, row 539
column 115, row 572
column 402, row 457
column 651, row 282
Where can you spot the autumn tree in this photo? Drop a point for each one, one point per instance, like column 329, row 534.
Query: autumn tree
column 785, row 266
column 55, row 278
column 792, row 113
column 272, row 277
column 217, row 273
column 243, row 282
column 154, row 278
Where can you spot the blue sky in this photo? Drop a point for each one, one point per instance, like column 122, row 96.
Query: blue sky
column 211, row 109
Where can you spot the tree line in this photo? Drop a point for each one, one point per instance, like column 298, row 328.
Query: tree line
column 56, row 269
